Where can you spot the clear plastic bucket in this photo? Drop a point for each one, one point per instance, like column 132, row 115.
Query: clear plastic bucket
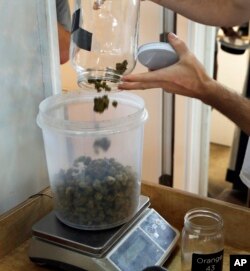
column 94, row 160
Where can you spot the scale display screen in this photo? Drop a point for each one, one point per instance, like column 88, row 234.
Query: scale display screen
column 147, row 244
column 159, row 230
column 131, row 254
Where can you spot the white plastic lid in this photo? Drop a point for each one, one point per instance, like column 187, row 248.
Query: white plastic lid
column 157, row 55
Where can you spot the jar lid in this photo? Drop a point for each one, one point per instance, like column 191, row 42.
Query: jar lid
column 157, row 55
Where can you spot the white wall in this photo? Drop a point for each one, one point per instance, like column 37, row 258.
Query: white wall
column 26, row 70
column 150, row 29
column 192, row 117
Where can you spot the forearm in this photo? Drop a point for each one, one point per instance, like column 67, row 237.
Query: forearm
column 211, row 12
column 229, row 103
column 188, row 77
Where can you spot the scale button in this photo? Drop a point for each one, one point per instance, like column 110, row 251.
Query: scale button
column 161, row 224
column 150, row 229
column 156, row 235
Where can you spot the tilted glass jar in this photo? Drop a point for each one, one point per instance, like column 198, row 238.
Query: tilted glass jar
column 202, row 241
column 104, row 41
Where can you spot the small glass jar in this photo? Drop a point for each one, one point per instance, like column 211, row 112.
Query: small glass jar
column 202, row 241
column 104, row 41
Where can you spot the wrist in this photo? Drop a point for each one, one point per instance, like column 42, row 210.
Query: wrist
column 211, row 92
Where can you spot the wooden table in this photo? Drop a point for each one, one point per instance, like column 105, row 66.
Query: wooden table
column 15, row 226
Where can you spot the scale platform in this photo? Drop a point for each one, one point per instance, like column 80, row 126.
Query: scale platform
column 146, row 240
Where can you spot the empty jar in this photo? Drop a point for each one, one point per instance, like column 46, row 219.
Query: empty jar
column 202, row 241
column 104, row 41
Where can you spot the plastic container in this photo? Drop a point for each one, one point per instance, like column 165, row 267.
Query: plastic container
column 94, row 160
column 104, row 41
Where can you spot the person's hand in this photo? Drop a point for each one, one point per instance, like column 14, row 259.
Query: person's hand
column 186, row 77
column 64, row 43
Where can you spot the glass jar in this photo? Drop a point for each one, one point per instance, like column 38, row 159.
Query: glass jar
column 104, row 41
column 202, row 241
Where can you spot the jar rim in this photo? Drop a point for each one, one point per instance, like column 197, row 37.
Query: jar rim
column 215, row 217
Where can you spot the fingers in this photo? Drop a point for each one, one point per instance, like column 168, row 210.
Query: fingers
column 179, row 46
column 137, row 85
column 141, row 81
column 158, row 78
column 142, row 77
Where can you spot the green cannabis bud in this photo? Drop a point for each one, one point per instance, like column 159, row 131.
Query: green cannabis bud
column 115, row 103
column 96, row 192
column 121, row 67
column 102, row 103
column 101, row 143
column 99, row 84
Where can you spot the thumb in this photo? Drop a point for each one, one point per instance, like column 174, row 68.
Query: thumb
column 179, row 46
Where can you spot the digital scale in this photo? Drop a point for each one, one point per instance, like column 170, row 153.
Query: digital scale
column 146, row 240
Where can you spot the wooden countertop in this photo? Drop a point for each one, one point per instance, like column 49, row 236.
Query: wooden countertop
column 15, row 226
